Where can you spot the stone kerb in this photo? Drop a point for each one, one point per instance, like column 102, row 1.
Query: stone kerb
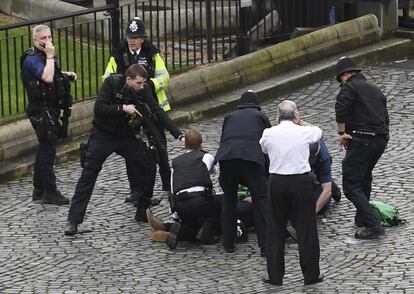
column 19, row 138
column 274, row 60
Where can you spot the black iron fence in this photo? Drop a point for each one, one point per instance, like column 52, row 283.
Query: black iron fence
column 187, row 32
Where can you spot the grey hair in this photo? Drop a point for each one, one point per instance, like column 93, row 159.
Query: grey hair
column 37, row 29
column 286, row 110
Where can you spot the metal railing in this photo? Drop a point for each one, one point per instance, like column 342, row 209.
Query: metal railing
column 81, row 44
column 187, row 32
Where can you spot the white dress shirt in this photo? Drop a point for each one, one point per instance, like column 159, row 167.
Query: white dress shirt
column 287, row 145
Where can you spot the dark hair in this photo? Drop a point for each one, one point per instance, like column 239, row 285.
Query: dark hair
column 136, row 70
column 193, row 140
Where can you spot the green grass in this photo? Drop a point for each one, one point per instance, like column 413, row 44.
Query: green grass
column 88, row 60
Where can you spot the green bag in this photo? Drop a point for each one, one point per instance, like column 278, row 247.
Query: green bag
column 386, row 213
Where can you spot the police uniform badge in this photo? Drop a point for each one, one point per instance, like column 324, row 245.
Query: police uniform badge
column 133, row 27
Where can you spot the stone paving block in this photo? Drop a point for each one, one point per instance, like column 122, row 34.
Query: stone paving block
column 118, row 256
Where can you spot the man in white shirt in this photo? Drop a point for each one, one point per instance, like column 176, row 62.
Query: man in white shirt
column 291, row 193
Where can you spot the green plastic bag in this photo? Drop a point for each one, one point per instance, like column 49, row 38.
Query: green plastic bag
column 386, row 213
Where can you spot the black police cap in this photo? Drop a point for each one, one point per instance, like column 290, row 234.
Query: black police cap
column 344, row 65
column 136, row 28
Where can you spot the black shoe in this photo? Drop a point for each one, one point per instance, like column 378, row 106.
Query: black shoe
column 54, row 197
column 206, row 232
column 155, row 201
column 133, row 198
column 172, row 238
column 71, row 228
column 271, row 282
column 370, row 232
column 263, row 252
column 318, row 280
column 37, row 194
column 141, row 215
column 229, row 249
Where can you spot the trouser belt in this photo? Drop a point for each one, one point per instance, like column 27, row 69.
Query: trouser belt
column 372, row 134
column 187, row 195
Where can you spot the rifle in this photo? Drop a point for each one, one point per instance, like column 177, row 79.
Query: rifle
column 65, row 103
column 147, row 121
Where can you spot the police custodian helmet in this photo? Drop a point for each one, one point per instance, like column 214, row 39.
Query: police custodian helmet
column 344, row 65
column 136, row 28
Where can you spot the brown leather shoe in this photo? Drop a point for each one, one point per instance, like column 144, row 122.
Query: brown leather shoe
column 155, row 223
column 159, row 236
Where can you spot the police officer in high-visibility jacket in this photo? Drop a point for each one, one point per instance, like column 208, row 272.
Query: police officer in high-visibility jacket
column 136, row 49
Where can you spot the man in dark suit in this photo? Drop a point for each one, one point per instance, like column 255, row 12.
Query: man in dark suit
column 242, row 161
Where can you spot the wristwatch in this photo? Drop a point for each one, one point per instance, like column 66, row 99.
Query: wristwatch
column 340, row 133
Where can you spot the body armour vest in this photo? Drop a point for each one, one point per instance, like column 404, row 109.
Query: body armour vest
column 45, row 94
column 190, row 171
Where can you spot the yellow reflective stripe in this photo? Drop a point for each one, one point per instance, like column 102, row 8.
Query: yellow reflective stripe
column 165, row 106
column 110, row 68
column 161, row 75
column 163, row 101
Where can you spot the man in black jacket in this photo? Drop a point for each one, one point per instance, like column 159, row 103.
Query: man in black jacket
column 113, row 132
column 362, row 119
column 242, row 161
column 137, row 49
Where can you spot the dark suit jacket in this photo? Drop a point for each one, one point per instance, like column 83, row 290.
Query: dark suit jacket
column 240, row 135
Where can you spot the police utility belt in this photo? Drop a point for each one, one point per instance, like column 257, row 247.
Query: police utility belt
column 368, row 134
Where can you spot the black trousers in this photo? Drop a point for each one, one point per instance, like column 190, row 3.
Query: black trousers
column 164, row 164
column 253, row 176
column 147, row 188
column 100, row 146
column 43, row 174
column 292, row 198
column 362, row 155
column 193, row 212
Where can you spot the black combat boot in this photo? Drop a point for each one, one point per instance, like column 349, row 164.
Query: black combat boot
column 141, row 215
column 71, row 228
column 54, row 197
column 133, row 198
column 37, row 194
column 172, row 237
column 370, row 232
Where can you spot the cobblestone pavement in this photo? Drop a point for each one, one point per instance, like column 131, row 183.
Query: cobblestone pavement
column 118, row 257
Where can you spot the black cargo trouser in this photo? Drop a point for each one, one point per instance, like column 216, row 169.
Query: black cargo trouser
column 100, row 146
column 362, row 154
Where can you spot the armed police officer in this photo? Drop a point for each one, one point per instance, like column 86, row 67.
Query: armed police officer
column 362, row 119
column 136, row 49
column 48, row 92
column 123, row 103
